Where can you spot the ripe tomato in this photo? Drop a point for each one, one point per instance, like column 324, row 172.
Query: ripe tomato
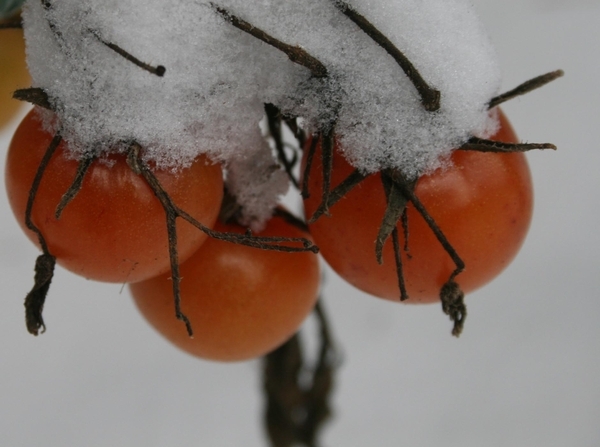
column 14, row 74
column 242, row 302
column 115, row 228
column 482, row 203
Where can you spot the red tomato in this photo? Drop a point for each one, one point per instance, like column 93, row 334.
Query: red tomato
column 242, row 302
column 482, row 203
column 115, row 228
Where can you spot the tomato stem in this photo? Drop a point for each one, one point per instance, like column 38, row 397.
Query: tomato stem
column 84, row 165
column 297, row 405
column 159, row 70
column 33, row 95
column 451, row 295
column 337, row 193
column 327, row 166
column 295, row 53
column 483, row 145
column 399, row 269
column 275, row 130
column 45, row 263
column 430, row 97
column 172, row 212
column 308, row 167
column 526, row 87
column 396, row 205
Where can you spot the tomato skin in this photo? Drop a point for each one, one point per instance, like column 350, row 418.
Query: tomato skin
column 242, row 302
column 114, row 229
column 482, row 203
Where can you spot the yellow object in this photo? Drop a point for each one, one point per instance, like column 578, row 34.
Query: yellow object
column 13, row 72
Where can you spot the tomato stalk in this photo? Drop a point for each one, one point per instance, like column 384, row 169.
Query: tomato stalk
column 297, row 407
column 295, row 53
column 45, row 265
column 430, row 97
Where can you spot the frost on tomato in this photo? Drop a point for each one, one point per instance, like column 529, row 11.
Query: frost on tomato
column 115, row 228
column 482, row 203
column 242, row 302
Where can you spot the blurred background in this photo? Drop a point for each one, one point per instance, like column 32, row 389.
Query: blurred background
column 525, row 372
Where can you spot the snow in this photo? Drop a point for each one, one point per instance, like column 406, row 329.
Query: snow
column 211, row 97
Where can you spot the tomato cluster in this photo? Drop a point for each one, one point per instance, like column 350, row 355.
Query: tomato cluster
column 114, row 217
column 241, row 301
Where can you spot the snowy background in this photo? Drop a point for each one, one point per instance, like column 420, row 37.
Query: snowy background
column 524, row 373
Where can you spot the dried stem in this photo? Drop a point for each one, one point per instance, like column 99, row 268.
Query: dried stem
column 396, row 205
column 399, row 269
column 308, row 167
column 274, row 122
column 139, row 167
column 56, row 140
column 172, row 212
column 159, row 70
column 483, row 145
column 298, row 132
column 526, row 87
column 75, row 187
column 34, row 95
column 290, row 219
column 451, row 295
column 45, row 263
column 338, row 193
column 295, row 411
column 295, row 53
column 327, row 143
column 404, row 221
column 430, row 97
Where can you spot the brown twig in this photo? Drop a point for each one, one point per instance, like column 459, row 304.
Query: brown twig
column 159, row 70
column 298, row 132
column 337, row 193
column 45, row 263
column 526, row 87
column 451, row 295
column 295, row 53
column 399, row 268
column 308, row 166
column 483, row 145
column 396, row 206
column 274, row 120
column 430, row 97
column 173, row 212
column 75, row 187
column 296, row 411
column 33, row 95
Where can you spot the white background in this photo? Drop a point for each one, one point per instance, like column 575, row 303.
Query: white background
column 526, row 371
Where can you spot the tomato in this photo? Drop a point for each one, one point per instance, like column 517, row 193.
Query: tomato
column 115, row 228
column 482, row 203
column 14, row 74
column 242, row 302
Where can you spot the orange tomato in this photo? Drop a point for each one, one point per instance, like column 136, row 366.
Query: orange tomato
column 242, row 302
column 115, row 228
column 482, row 203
